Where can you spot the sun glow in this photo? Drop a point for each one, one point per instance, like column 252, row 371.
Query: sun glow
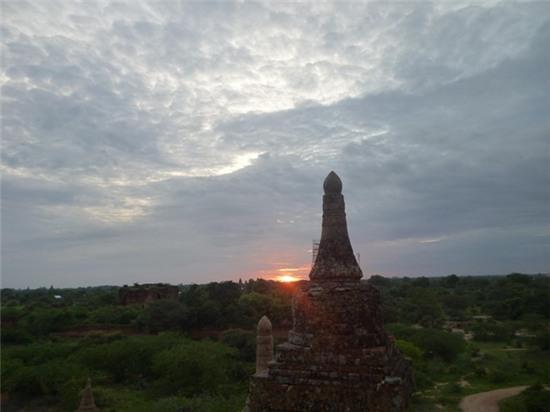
column 287, row 278
column 284, row 274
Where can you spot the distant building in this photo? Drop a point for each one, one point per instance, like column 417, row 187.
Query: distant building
column 148, row 292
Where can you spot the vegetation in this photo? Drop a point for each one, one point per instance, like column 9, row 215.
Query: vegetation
column 533, row 399
column 462, row 334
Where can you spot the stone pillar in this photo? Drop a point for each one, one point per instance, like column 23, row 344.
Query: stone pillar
column 264, row 345
column 87, row 403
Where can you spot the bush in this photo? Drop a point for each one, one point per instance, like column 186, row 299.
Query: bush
column 532, row 399
column 119, row 315
column 432, row 342
column 164, row 315
column 24, row 381
column 17, row 336
column 499, row 376
column 125, row 358
column 493, row 332
column 42, row 321
column 242, row 340
column 200, row 403
column 437, row 343
column 193, row 368
column 409, row 349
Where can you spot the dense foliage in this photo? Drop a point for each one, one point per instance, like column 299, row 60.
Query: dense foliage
column 196, row 353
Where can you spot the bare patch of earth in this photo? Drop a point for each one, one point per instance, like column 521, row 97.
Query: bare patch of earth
column 488, row 401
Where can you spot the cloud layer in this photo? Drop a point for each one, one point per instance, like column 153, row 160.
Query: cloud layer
column 187, row 142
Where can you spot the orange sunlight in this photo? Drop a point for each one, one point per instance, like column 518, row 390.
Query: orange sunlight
column 285, row 274
column 287, row 278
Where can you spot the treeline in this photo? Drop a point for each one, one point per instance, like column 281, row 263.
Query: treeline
column 430, row 301
column 148, row 357
column 29, row 314
column 159, row 369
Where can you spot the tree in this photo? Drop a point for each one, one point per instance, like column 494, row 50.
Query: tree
column 438, row 343
column 242, row 340
column 165, row 314
column 193, row 368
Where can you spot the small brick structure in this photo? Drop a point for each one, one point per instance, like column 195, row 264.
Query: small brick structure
column 338, row 356
column 148, row 292
column 87, row 402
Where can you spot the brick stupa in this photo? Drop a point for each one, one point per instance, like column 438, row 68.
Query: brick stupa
column 87, row 402
column 338, row 356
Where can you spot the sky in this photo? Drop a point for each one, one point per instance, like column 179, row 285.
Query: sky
column 187, row 142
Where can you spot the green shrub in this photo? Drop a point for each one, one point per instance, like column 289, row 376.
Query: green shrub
column 444, row 345
column 210, row 403
column 499, row 376
column 409, row 349
column 23, row 381
column 533, row 399
column 242, row 340
column 193, row 368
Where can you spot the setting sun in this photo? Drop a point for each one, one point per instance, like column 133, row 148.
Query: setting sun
column 287, row 278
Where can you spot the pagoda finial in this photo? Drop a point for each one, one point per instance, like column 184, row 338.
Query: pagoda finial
column 332, row 184
column 335, row 260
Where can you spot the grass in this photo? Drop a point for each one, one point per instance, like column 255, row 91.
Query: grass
column 123, row 399
column 494, row 367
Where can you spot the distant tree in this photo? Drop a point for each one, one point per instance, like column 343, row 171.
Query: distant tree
column 254, row 305
column 44, row 320
column 242, row 340
column 455, row 305
column 451, row 281
column 493, row 331
column 165, row 314
column 438, row 343
column 421, row 282
column 518, row 278
column 379, row 281
column 423, row 307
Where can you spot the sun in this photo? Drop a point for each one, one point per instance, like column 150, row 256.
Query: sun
column 287, row 278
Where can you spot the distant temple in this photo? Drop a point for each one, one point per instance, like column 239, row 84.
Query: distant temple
column 338, row 356
column 129, row 295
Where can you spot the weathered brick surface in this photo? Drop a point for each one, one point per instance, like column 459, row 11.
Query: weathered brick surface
column 338, row 356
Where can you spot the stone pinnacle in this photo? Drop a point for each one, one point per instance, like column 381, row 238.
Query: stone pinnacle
column 87, row 403
column 264, row 345
column 335, row 260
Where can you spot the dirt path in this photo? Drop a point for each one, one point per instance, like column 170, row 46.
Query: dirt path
column 488, row 401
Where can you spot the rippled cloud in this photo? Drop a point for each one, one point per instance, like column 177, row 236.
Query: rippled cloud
column 187, row 142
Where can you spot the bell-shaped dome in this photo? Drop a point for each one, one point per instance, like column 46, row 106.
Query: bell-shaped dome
column 332, row 184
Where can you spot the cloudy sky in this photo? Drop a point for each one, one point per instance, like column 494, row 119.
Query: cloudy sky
column 187, row 142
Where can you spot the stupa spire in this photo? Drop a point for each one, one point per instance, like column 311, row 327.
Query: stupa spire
column 335, row 260
column 338, row 356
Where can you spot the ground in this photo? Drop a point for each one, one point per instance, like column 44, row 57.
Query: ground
column 488, row 401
